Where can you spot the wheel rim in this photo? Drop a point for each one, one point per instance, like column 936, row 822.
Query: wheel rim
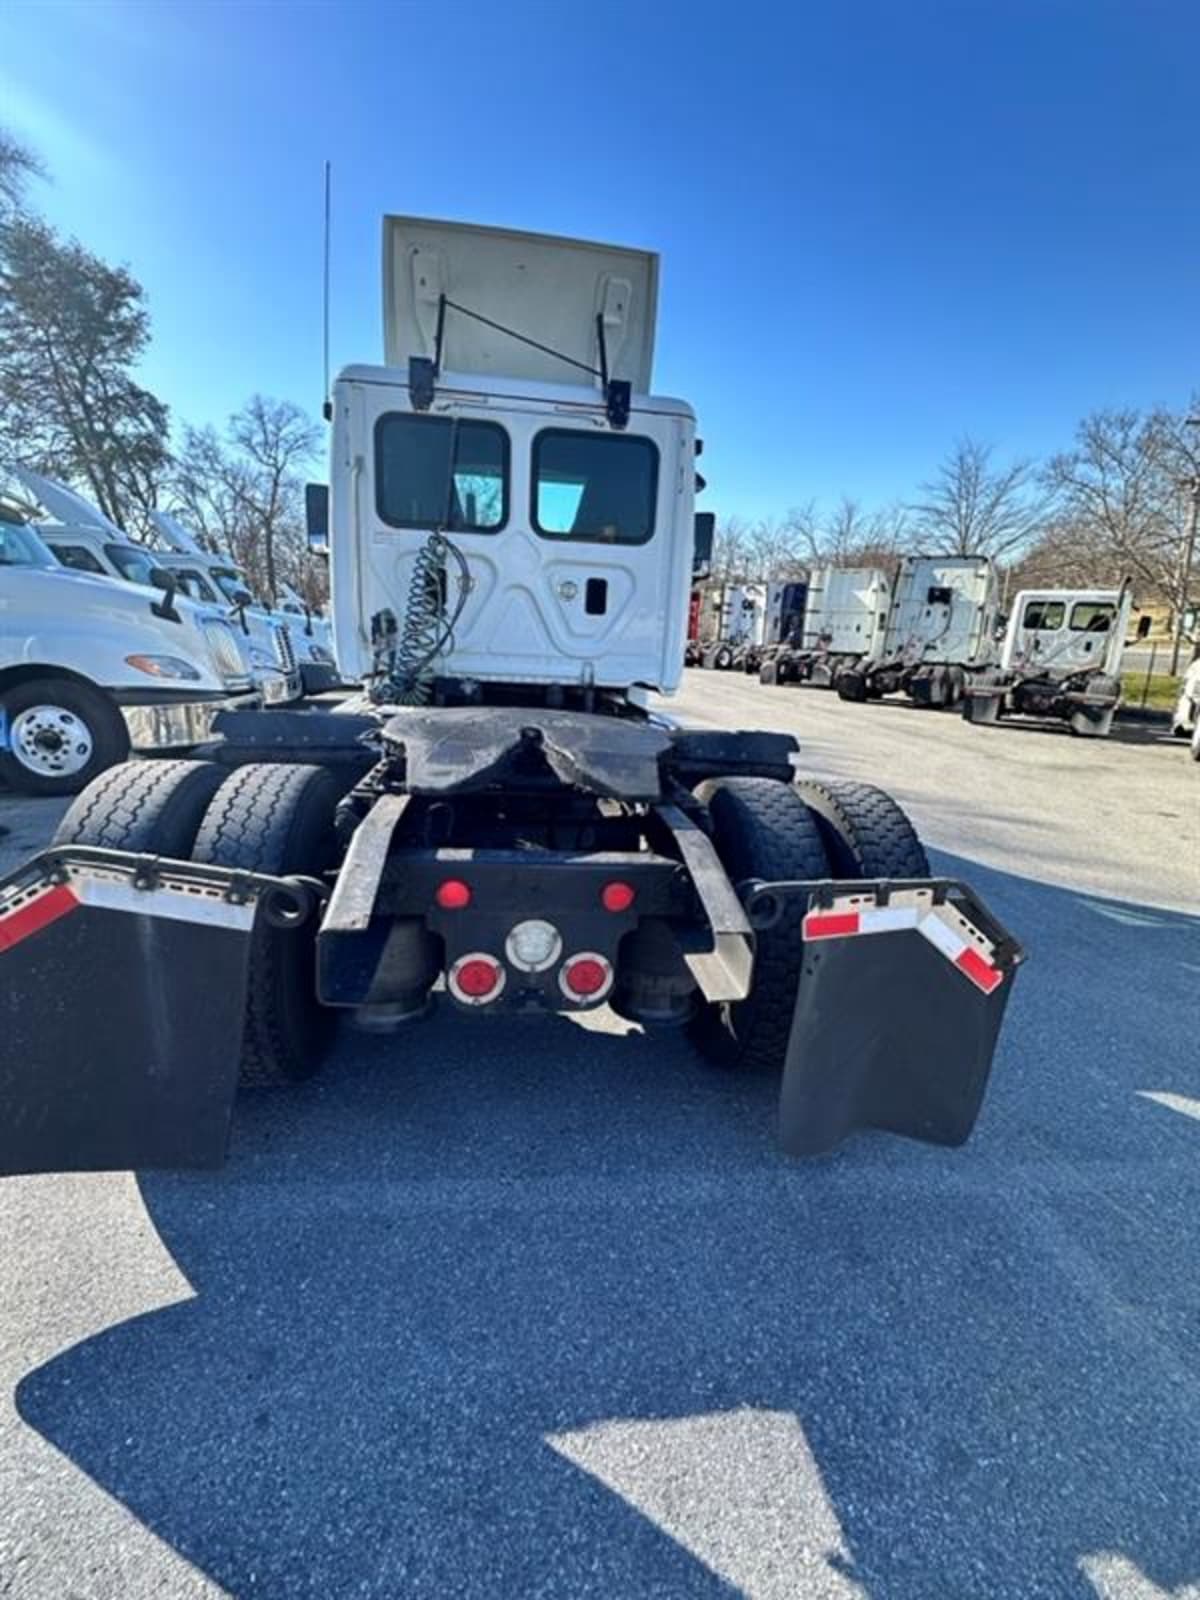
column 51, row 741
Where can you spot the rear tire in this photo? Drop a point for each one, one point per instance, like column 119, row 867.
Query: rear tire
column 152, row 806
column 851, row 685
column 761, row 829
column 278, row 818
column 864, row 832
column 59, row 735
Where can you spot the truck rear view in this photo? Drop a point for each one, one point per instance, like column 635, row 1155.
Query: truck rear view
column 502, row 825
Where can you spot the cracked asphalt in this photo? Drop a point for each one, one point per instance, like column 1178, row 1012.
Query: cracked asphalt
column 539, row 1309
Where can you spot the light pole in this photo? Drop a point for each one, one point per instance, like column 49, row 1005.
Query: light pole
column 1189, row 549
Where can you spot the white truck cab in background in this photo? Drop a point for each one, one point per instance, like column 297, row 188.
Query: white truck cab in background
column 569, row 504
column 90, row 669
column 83, row 538
column 1060, row 659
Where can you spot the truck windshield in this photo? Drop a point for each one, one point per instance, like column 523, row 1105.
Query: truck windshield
column 232, row 583
column 196, row 585
column 21, row 547
column 79, row 557
column 596, row 486
column 134, row 565
column 412, row 462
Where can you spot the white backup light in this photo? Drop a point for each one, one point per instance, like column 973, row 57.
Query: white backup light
column 533, row 946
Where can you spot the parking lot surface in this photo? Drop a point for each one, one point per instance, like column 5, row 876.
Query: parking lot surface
column 508, row 1309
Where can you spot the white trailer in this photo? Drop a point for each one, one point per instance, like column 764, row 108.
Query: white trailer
column 844, row 620
column 941, row 631
column 90, row 669
column 1060, row 659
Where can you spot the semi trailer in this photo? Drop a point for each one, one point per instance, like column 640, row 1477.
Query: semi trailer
column 842, row 625
column 940, row 634
column 507, row 826
column 1060, row 660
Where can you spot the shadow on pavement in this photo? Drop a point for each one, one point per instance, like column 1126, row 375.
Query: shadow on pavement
column 473, row 1237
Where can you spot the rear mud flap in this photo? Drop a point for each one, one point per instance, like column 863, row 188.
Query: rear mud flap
column 122, row 1000
column 901, row 997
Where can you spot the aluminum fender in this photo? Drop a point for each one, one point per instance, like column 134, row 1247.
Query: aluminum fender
column 900, row 1002
column 122, row 999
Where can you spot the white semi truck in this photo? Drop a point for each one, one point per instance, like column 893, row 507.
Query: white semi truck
column 506, row 827
column 1060, row 660
column 941, row 632
column 83, row 538
column 90, row 669
column 844, row 622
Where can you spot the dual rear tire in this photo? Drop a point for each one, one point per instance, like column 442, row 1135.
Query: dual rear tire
column 274, row 818
column 773, row 831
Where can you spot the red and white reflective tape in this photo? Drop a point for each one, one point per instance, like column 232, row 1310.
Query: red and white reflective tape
column 942, row 925
column 32, row 910
column 31, row 913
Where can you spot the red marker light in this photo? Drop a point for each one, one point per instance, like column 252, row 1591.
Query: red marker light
column 453, row 894
column 586, row 977
column 475, row 979
column 617, row 896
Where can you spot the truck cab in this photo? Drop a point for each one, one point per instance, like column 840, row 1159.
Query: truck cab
column 83, row 538
column 90, row 669
column 1060, row 660
column 575, row 531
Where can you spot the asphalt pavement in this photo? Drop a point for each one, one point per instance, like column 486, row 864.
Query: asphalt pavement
column 508, row 1309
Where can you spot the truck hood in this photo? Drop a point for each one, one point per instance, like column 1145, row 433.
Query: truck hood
column 550, row 289
column 64, row 505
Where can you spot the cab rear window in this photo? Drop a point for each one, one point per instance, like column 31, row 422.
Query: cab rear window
column 595, row 486
column 1044, row 615
column 414, row 485
column 1092, row 616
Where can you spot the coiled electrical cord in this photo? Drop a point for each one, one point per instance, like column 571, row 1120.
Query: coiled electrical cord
column 406, row 677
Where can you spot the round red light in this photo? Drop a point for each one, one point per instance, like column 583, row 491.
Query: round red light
column 617, row 896
column 477, row 978
column 453, row 894
column 586, row 976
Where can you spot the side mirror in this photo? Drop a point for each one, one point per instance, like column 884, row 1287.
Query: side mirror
column 702, row 543
column 316, row 515
column 242, row 598
column 165, row 580
column 1145, row 621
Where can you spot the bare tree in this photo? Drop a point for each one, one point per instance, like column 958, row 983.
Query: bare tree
column 851, row 536
column 242, row 494
column 971, row 508
column 17, row 165
column 1124, row 498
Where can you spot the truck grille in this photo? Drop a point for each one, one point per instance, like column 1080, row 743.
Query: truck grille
column 285, row 651
column 227, row 658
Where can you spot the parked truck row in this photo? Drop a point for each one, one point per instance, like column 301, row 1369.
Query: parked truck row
column 931, row 629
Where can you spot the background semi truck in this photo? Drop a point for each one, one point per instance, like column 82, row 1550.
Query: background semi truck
column 843, row 624
column 1060, row 660
column 506, row 826
column 941, row 632
column 90, row 669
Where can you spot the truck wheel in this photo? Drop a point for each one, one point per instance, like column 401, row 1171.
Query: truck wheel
column 56, row 735
column 277, row 817
column 1091, row 725
column 761, row 829
column 851, row 685
column 864, row 832
column 153, row 806
column 768, row 672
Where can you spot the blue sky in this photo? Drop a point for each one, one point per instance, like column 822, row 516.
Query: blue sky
column 882, row 225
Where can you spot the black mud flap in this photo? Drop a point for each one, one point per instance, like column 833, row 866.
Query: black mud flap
column 899, row 1007
column 122, row 1000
